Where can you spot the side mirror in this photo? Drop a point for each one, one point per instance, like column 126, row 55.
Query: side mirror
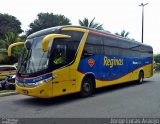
column 13, row 45
column 50, row 37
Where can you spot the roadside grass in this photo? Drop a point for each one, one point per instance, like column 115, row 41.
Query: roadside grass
column 5, row 91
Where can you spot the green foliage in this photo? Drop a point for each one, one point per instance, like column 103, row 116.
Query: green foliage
column 91, row 24
column 10, row 38
column 157, row 67
column 157, row 63
column 3, row 57
column 46, row 20
column 123, row 34
column 9, row 23
column 157, row 58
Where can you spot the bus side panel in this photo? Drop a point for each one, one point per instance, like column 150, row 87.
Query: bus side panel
column 63, row 83
column 148, row 71
column 79, row 78
column 129, row 77
column 109, row 70
column 88, row 65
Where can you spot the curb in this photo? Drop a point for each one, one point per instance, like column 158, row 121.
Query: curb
column 8, row 94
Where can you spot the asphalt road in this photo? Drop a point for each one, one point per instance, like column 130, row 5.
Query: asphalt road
column 127, row 100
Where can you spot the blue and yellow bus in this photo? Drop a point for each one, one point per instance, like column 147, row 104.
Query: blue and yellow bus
column 69, row 59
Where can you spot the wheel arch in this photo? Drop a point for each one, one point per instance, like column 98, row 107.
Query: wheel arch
column 141, row 70
column 92, row 77
column 140, row 76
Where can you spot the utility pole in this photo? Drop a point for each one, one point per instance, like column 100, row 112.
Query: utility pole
column 143, row 17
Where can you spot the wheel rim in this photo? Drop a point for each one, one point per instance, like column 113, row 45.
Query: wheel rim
column 141, row 78
column 86, row 87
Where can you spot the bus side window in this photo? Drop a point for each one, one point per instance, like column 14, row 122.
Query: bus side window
column 60, row 54
column 86, row 54
column 93, row 46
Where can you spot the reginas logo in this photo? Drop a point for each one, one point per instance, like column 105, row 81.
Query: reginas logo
column 112, row 62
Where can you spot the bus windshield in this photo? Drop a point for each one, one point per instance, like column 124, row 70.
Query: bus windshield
column 34, row 59
column 61, row 52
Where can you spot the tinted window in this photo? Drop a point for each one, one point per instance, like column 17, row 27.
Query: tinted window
column 93, row 45
column 110, row 46
column 67, row 47
column 75, row 35
column 118, row 47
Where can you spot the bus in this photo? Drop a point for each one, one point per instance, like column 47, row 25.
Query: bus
column 73, row 59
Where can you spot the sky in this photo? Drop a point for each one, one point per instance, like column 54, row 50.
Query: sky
column 115, row 15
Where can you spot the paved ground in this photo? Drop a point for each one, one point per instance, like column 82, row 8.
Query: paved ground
column 129, row 100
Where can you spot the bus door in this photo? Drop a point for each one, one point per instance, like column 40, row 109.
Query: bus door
column 63, row 84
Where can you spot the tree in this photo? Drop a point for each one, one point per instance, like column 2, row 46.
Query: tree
column 157, row 62
column 9, row 23
column 123, row 34
column 157, row 58
column 91, row 24
column 46, row 20
column 10, row 38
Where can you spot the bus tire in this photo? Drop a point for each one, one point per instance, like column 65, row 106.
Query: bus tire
column 87, row 87
column 140, row 77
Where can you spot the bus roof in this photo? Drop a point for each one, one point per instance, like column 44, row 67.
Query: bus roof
column 93, row 31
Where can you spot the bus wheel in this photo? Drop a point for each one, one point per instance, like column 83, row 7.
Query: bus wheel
column 141, row 77
column 86, row 87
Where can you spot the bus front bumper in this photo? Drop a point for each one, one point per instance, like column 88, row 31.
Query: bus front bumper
column 41, row 91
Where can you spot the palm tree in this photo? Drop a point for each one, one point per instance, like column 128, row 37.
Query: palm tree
column 10, row 38
column 123, row 34
column 91, row 24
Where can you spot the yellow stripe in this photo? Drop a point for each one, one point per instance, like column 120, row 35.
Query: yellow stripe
column 80, row 49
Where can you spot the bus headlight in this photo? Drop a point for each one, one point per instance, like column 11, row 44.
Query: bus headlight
column 40, row 82
column 43, row 81
column 31, row 85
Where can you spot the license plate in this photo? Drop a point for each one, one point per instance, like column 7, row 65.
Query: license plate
column 25, row 92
